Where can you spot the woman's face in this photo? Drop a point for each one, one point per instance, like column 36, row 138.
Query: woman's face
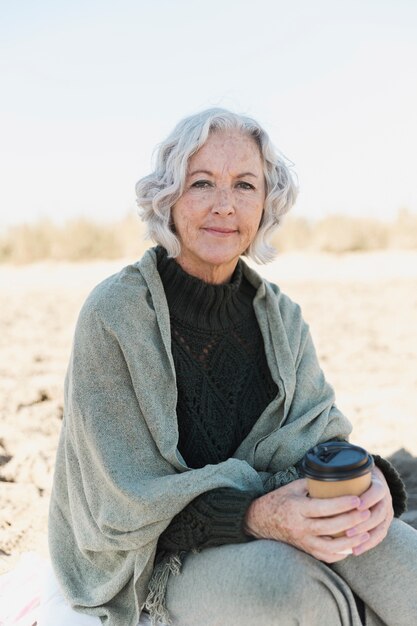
column 218, row 215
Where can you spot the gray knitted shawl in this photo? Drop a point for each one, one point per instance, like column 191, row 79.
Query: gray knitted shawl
column 119, row 478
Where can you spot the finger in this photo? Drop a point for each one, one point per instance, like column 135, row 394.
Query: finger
column 378, row 514
column 331, row 549
column 345, row 545
column 321, row 550
column 372, row 496
column 327, row 507
column 340, row 523
column 377, row 535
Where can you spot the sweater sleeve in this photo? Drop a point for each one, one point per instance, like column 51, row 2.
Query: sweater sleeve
column 395, row 484
column 217, row 517
column 212, row 519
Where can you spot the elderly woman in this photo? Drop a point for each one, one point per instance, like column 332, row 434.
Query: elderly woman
column 192, row 394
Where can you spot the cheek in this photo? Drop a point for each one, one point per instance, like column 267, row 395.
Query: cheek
column 183, row 226
column 176, row 215
column 253, row 225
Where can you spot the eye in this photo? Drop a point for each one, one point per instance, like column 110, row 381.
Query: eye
column 244, row 185
column 202, row 184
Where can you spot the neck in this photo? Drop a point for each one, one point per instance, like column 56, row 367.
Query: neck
column 201, row 305
column 211, row 274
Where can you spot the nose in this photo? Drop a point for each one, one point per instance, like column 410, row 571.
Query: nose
column 223, row 202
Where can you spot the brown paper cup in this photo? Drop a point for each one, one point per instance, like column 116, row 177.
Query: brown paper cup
column 331, row 489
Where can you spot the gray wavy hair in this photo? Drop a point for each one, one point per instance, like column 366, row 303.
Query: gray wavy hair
column 158, row 192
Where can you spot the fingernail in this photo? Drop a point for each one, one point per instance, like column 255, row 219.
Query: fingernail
column 365, row 514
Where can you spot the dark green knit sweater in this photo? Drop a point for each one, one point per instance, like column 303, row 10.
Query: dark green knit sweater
column 224, row 383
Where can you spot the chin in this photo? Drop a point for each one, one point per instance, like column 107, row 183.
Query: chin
column 220, row 259
column 220, row 254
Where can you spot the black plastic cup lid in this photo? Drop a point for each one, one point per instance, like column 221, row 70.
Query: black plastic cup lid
column 336, row 460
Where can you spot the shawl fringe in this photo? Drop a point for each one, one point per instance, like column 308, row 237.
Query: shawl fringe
column 155, row 602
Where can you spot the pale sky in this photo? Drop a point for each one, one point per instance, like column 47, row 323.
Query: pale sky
column 89, row 87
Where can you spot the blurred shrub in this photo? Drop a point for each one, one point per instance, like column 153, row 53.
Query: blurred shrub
column 83, row 239
column 77, row 240
column 341, row 233
column 26, row 242
column 403, row 233
column 295, row 233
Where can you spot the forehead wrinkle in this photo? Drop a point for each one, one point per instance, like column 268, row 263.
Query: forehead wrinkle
column 227, row 154
column 200, row 171
column 209, row 173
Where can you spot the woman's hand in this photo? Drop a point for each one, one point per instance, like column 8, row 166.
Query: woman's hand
column 287, row 514
column 377, row 500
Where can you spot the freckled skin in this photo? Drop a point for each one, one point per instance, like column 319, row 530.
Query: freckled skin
column 219, row 212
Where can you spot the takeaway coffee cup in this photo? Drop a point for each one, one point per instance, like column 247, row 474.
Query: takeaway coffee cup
column 337, row 468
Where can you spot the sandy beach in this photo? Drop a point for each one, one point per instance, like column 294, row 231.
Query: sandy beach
column 362, row 310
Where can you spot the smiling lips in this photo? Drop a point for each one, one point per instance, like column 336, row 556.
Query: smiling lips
column 220, row 232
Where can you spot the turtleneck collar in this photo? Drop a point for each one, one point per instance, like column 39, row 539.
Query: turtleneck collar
column 200, row 304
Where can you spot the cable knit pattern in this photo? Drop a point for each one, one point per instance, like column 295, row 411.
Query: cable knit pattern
column 223, row 379
column 212, row 519
column 224, row 383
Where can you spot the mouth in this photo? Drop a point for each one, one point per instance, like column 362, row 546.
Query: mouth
column 220, row 232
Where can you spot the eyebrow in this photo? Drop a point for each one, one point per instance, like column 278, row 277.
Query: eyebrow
column 211, row 173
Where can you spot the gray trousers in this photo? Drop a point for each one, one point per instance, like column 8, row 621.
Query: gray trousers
column 269, row 583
